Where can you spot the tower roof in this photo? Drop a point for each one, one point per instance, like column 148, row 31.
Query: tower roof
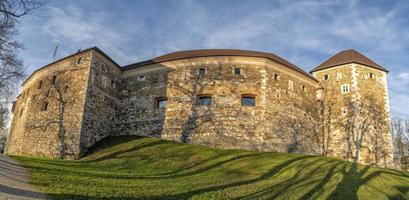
column 345, row 57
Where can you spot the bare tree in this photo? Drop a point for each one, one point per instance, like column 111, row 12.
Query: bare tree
column 400, row 133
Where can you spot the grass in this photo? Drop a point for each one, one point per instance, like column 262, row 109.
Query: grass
column 130, row 167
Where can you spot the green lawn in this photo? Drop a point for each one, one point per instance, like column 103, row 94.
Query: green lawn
column 131, row 167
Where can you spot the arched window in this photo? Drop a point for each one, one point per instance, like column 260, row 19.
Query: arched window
column 204, row 100
column 248, row 100
column 202, row 72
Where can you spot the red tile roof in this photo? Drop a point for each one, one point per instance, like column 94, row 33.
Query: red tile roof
column 216, row 52
column 345, row 57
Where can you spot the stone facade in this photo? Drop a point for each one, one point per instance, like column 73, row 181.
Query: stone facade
column 222, row 99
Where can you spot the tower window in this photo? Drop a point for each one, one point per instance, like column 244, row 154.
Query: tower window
column 202, row 72
column 344, row 110
column 276, row 77
column 53, row 80
column 345, row 89
column 371, row 75
column 204, row 100
column 326, row 77
column 79, row 61
column 290, row 85
column 237, row 71
column 161, row 102
column 339, row 76
column 40, row 84
column 44, row 106
column 21, row 111
column 303, row 88
column 248, row 100
column 141, row 78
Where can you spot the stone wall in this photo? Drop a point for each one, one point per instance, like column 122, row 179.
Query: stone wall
column 48, row 118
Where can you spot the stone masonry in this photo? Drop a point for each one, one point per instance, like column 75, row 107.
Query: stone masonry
column 220, row 98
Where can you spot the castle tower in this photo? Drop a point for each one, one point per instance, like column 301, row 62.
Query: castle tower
column 355, row 108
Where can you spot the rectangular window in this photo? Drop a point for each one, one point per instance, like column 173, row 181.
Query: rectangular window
column 345, row 88
column 202, row 72
column 44, row 106
column 371, row 75
column 40, row 84
column 290, row 85
column 248, row 100
column 344, row 110
column 237, row 71
column 303, row 88
column 339, row 76
column 204, row 100
column 53, row 80
column 325, row 77
column 161, row 102
column 275, row 77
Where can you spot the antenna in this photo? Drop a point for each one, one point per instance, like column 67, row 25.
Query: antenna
column 55, row 51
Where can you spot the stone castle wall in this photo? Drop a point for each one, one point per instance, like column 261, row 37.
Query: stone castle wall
column 104, row 100
column 36, row 130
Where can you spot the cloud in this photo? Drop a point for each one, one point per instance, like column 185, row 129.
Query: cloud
column 74, row 27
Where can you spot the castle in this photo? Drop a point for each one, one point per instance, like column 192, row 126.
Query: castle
column 216, row 97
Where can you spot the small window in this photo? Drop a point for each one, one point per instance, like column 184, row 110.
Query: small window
column 79, row 61
column 21, row 111
column 344, row 110
column 276, row 77
column 161, row 102
column 248, row 100
column 204, row 100
column 345, row 89
column 141, row 78
column 202, row 72
column 326, row 77
column 303, row 88
column 339, row 76
column 371, row 75
column 237, row 71
column 290, row 85
column 53, row 80
column 44, row 106
column 40, row 84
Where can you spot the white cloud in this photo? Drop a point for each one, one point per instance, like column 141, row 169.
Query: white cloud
column 76, row 28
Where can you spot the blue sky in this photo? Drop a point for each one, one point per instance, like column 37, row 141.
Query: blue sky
column 304, row 32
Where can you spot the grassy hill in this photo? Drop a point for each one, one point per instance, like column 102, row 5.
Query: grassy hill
column 131, row 167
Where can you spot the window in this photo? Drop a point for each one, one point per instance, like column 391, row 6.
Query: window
column 66, row 88
column 53, row 80
column 303, row 88
column 141, row 78
column 326, row 77
column 345, row 89
column 237, row 71
column 371, row 75
column 276, row 77
column 339, row 76
column 248, row 100
column 204, row 100
column 202, row 72
column 79, row 61
column 161, row 102
column 344, row 110
column 44, row 106
column 21, row 111
column 290, row 85
column 40, row 84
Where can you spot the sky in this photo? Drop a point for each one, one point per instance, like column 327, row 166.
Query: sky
column 305, row 33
